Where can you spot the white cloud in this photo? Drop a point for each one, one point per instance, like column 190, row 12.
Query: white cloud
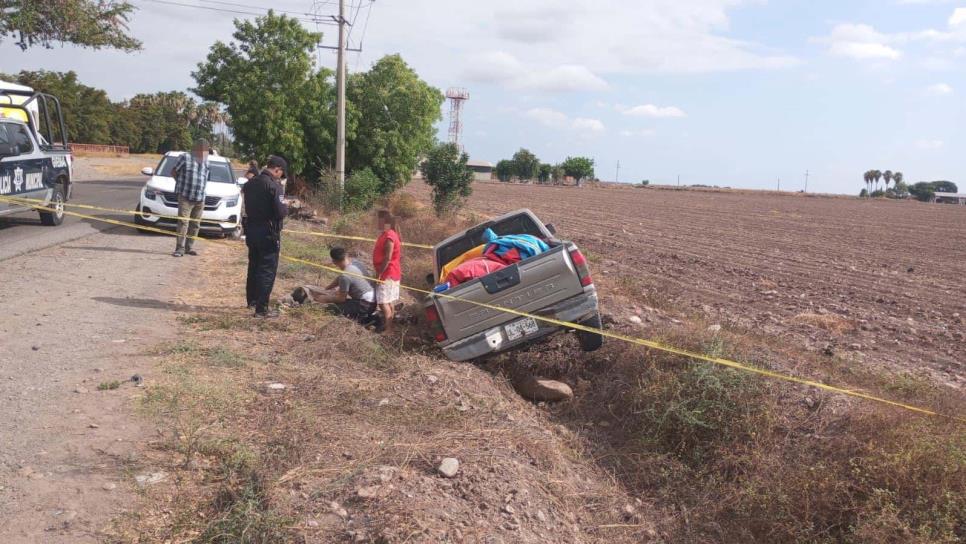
column 588, row 125
column 939, row 89
column 566, row 77
column 929, row 144
column 555, row 119
column 548, row 117
column 650, row 110
column 640, row 132
column 958, row 17
column 859, row 42
column 503, row 68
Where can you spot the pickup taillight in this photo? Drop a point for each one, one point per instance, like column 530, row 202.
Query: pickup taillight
column 580, row 263
column 432, row 317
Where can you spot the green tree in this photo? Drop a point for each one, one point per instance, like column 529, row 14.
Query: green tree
column 863, row 193
column 163, row 121
column 578, row 168
column 88, row 23
column 557, row 174
column 278, row 104
column 526, row 165
column 898, row 190
column 504, row 170
column 922, row 191
column 876, row 176
column 545, row 173
column 446, row 172
column 887, row 177
column 87, row 111
column 396, row 113
column 361, row 190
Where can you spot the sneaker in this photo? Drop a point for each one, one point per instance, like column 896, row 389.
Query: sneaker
column 178, row 253
column 192, row 252
column 268, row 314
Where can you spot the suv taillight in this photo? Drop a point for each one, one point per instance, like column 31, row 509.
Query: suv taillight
column 436, row 326
column 583, row 271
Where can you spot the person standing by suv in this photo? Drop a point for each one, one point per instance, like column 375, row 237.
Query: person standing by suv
column 265, row 209
column 190, row 175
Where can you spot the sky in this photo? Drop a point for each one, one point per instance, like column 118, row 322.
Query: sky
column 739, row 93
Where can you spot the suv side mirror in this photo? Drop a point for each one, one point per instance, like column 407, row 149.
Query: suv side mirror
column 8, row 150
column 550, row 228
column 242, row 180
column 147, row 171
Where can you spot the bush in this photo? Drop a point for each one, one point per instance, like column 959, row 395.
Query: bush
column 446, row 172
column 361, row 190
column 404, row 205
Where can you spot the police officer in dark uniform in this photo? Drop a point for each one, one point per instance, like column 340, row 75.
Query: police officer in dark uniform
column 265, row 209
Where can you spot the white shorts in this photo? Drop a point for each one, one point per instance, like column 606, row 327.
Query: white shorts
column 387, row 292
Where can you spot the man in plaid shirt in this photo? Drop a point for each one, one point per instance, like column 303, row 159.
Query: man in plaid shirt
column 190, row 176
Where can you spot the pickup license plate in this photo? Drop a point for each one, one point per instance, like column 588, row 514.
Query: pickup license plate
column 521, row 328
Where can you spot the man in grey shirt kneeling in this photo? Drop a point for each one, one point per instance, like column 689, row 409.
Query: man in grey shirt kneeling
column 351, row 293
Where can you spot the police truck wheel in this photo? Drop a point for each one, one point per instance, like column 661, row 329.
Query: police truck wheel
column 590, row 341
column 55, row 215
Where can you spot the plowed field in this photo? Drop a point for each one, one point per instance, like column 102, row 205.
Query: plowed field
column 882, row 280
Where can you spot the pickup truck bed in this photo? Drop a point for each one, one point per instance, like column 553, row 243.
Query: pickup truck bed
column 555, row 284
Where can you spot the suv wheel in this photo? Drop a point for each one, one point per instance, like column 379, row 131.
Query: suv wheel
column 55, row 216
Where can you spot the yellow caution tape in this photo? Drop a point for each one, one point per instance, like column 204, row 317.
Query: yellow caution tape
column 33, row 202
column 652, row 344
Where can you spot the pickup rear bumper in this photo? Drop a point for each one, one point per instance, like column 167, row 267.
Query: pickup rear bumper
column 494, row 340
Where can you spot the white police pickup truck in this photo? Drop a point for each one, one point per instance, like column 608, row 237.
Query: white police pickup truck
column 31, row 166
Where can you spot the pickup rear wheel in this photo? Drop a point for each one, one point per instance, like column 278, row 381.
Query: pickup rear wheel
column 55, row 214
column 590, row 341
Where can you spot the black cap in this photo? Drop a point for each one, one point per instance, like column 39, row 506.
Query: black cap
column 276, row 162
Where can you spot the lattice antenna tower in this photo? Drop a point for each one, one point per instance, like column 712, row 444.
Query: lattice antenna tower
column 456, row 98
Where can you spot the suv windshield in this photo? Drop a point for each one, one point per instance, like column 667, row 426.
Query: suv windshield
column 217, row 171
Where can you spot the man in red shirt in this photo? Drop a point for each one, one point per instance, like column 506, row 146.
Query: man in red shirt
column 386, row 257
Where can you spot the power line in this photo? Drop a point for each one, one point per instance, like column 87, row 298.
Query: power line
column 365, row 26
column 276, row 10
column 225, row 10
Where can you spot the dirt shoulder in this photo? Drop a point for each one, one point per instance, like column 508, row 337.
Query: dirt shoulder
column 77, row 316
column 347, row 443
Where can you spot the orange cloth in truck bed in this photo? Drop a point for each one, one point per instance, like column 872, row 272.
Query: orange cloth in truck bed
column 469, row 254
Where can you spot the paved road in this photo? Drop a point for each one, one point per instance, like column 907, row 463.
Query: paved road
column 23, row 233
column 75, row 315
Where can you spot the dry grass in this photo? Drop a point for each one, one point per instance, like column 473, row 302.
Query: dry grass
column 829, row 322
column 715, row 455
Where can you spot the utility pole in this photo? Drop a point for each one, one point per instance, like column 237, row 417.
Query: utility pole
column 340, row 106
column 779, row 183
column 806, row 181
column 617, row 177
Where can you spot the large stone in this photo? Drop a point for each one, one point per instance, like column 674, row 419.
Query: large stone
column 543, row 390
column 449, row 467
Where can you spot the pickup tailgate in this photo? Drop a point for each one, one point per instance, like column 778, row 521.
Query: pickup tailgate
column 528, row 286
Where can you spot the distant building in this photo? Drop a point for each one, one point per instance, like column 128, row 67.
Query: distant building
column 482, row 170
column 950, row 198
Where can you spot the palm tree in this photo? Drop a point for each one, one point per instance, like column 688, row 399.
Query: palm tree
column 887, row 176
column 866, row 177
column 876, row 175
column 896, row 178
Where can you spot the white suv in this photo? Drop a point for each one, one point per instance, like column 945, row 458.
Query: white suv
column 223, row 201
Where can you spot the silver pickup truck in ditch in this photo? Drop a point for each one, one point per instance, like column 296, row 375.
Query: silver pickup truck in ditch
column 556, row 284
